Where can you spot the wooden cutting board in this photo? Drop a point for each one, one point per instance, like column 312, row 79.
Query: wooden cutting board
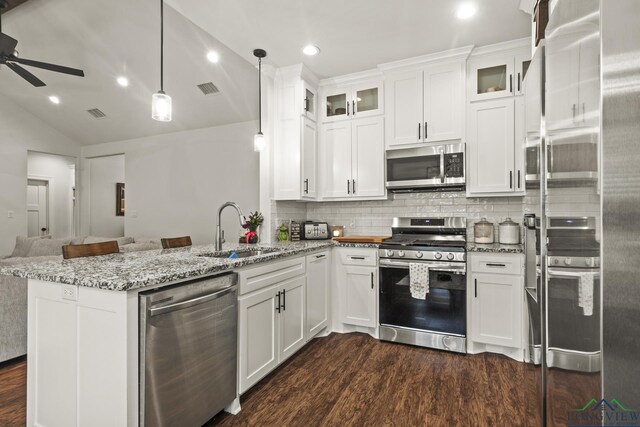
column 361, row 239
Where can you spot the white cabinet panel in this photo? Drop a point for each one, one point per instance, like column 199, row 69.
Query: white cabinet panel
column 491, row 146
column 292, row 317
column 491, row 77
column 589, row 84
column 443, row 102
column 258, row 336
column 497, row 309
column 562, row 82
column 367, row 145
column 359, row 296
column 336, row 140
column 519, row 145
column 309, row 159
column 404, row 108
column 317, row 296
column 367, row 99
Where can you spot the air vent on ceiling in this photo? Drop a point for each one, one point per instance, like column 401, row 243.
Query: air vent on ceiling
column 208, row 88
column 97, row 113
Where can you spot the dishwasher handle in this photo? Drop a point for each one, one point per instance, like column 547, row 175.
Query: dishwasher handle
column 155, row 311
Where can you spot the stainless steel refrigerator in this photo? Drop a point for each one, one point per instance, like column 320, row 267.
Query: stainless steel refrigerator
column 582, row 212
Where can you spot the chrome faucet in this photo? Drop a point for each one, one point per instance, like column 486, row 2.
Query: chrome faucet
column 219, row 231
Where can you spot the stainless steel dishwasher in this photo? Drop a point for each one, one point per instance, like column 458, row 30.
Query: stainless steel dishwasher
column 188, row 351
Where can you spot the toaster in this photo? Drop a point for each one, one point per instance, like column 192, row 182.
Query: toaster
column 315, row 230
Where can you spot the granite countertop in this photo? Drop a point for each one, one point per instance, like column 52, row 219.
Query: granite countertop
column 134, row 270
column 495, row 248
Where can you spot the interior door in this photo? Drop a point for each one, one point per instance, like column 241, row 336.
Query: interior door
column 491, row 146
column 309, row 159
column 404, row 109
column 37, row 208
column 292, row 317
column 367, row 156
column 336, row 159
column 443, row 102
column 259, row 336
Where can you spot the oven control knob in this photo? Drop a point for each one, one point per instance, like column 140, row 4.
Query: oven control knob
column 437, row 255
column 449, row 256
column 567, row 261
column 418, row 254
column 400, row 253
column 589, row 262
column 389, row 253
column 556, row 261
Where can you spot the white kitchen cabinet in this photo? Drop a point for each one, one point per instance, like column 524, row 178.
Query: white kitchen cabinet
column 496, row 296
column 295, row 144
column 572, row 81
column 352, row 159
column 491, row 77
column 357, row 286
column 317, row 296
column 352, row 101
column 496, row 147
column 271, row 324
column 425, row 106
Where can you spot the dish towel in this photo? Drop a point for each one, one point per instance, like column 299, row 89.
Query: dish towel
column 585, row 292
column 419, row 280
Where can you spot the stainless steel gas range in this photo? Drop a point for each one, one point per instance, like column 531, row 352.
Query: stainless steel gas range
column 440, row 320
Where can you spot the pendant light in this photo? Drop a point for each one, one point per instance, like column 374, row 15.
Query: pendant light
column 259, row 142
column 161, row 102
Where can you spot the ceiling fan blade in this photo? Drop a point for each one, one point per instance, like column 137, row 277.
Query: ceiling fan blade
column 7, row 45
column 46, row 66
column 26, row 75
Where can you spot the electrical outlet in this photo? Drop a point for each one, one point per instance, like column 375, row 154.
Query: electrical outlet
column 70, row 292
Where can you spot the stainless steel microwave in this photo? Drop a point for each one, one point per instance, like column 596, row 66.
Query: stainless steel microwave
column 434, row 167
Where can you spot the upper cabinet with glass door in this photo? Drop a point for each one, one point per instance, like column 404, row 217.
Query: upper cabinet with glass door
column 352, row 101
column 309, row 103
column 497, row 76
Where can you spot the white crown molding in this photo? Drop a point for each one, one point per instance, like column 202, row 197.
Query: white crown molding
column 458, row 54
column 503, row 47
column 298, row 71
column 351, row 78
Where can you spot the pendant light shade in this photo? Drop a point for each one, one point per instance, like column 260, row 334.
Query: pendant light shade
column 259, row 141
column 160, row 101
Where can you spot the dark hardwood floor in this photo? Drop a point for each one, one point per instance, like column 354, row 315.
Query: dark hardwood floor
column 355, row 380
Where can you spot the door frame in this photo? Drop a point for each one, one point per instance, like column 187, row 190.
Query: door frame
column 50, row 187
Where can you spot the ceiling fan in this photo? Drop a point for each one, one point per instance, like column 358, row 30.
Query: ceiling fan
column 9, row 57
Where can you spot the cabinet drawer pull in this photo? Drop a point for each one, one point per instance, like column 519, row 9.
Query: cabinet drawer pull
column 518, row 82
column 360, row 258
column 306, row 186
column 284, row 300
column 476, row 287
column 320, row 256
column 353, row 186
column 426, row 132
column 419, row 125
column 491, row 264
column 511, row 83
column 519, row 186
column 278, row 305
column 348, row 186
column 347, row 108
column 510, row 179
column 353, row 109
column 372, row 280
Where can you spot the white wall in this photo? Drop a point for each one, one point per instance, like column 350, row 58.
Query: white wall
column 104, row 173
column 19, row 133
column 60, row 170
column 176, row 182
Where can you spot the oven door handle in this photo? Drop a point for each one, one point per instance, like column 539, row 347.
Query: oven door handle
column 443, row 267
column 565, row 274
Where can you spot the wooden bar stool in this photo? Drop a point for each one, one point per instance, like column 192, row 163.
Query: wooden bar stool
column 90, row 249
column 176, row 242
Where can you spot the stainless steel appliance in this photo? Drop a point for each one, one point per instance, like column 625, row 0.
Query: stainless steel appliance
column 440, row 320
column 532, row 288
column 434, row 167
column 188, row 351
column 573, row 267
column 315, row 230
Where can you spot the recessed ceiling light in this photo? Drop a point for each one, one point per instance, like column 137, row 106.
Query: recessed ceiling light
column 466, row 10
column 213, row 56
column 311, row 50
column 54, row 99
column 123, row 81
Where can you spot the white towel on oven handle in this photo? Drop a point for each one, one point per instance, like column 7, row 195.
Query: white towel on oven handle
column 585, row 292
column 419, row 280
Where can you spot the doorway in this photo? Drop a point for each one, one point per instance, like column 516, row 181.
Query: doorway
column 37, row 207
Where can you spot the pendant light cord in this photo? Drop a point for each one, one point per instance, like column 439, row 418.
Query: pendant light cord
column 260, row 94
column 162, row 46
